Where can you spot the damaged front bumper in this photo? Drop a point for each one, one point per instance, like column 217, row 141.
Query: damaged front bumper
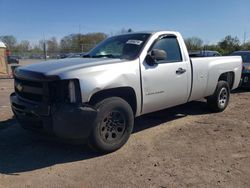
column 69, row 121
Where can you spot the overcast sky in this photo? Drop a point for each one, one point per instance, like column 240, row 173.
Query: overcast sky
column 210, row 20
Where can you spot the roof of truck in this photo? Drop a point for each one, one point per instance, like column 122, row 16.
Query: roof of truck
column 148, row 32
column 155, row 31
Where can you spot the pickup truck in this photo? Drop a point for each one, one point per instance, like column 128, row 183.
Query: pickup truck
column 95, row 98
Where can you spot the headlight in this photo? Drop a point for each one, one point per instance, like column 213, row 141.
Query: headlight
column 66, row 91
column 72, row 91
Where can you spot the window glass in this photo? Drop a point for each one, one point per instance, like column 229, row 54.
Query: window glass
column 245, row 56
column 122, row 46
column 171, row 46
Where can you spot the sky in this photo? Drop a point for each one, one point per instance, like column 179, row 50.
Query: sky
column 210, row 20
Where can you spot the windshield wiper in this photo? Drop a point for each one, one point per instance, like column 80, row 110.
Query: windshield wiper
column 106, row 55
column 99, row 56
column 86, row 56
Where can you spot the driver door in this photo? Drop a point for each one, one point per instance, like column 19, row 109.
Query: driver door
column 165, row 83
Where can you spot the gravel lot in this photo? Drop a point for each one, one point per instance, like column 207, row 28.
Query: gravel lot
column 185, row 146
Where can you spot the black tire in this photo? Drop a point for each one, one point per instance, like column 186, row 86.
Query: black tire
column 219, row 100
column 112, row 126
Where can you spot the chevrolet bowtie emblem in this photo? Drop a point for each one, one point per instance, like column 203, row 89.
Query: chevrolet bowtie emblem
column 19, row 87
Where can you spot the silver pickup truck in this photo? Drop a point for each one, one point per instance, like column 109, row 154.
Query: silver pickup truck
column 95, row 98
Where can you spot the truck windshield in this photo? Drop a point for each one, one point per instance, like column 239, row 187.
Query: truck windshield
column 122, row 47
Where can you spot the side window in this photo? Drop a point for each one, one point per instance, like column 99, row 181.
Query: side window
column 171, row 46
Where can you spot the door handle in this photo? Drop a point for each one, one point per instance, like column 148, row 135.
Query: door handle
column 180, row 71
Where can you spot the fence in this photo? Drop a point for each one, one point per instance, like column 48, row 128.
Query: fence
column 73, row 51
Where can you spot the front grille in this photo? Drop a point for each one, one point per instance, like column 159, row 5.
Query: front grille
column 48, row 92
column 31, row 90
column 58, row 91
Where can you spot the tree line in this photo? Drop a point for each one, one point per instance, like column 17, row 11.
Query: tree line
column 226, row 46
column 70, row 43
column 84, row 42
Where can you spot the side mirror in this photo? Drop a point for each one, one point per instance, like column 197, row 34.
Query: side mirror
column 156, row 55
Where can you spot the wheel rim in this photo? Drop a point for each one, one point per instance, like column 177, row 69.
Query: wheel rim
column 223, row 97
column 112, row 127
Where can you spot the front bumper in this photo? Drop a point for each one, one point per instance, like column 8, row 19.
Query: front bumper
column 69, row 121
column 245, row 80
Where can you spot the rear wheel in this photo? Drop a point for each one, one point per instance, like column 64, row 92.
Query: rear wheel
column 113, row 125
column 219, row 100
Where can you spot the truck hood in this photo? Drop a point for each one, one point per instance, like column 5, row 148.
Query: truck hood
column 54, row 68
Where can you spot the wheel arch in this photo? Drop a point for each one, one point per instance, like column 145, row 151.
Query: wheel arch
column 228, row 77
column 126, row 93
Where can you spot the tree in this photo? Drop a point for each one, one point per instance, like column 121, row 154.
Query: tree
column 52, row 45
column 194, row 43
column 229, row 44
column 214, row 47
column 24, row 46
column 66, row 43
column 80, row 43
column 36, row 49
column 9, row 40
column 90, row 40
column 246, row 46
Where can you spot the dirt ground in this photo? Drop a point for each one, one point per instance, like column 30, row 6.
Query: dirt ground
column 185, row 146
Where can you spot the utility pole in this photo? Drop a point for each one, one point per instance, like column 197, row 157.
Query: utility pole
column 79, row 38
column 244, row 38
column 44, row 48
column 82, row 47
column 80, row 28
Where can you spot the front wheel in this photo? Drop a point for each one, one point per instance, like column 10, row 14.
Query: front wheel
column 113, row 125
column 219, row 100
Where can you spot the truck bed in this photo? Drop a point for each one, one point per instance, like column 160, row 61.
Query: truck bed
column 206, row 71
